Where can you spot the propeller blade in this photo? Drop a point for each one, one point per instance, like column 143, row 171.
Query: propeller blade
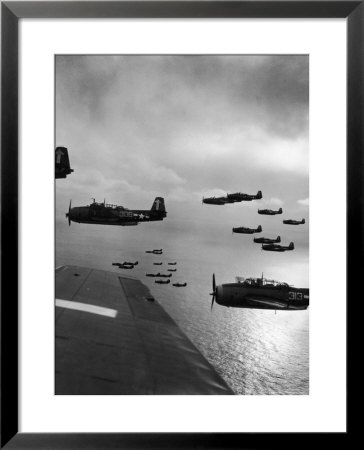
column 68, row 214
column 213, row 291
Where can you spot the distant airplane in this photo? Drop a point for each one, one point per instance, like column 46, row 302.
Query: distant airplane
column 245, row 230
column 105, row 214
column 270, row 212
column 260, row 293
column 277, row 248
column 162, row 281
column 152, row 274
column 179, row 284
column 172, row 270
column 240, row 197
column 294, row 222
column 262, row 240
column 217, row 200
column 157, row 263
column 62, row 163
column 172, row 263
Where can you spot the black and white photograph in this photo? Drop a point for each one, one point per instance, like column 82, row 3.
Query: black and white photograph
column 182, row 224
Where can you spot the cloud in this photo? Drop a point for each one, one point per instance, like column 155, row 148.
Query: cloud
column 304, row 202
column 184, row 127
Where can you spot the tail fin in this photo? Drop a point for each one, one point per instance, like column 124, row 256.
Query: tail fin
column 158, row 205
column 278, row 239
column 280, row 210
column 303, row 221
column 259, row 195
column 259, row 228
column 291, row 246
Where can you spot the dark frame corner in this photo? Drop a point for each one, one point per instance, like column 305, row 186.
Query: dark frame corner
column 11, row 12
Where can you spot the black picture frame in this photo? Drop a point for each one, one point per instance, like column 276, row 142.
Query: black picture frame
column 11, row 12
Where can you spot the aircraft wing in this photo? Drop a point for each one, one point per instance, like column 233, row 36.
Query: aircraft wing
column 112, row 338
column 267, row 302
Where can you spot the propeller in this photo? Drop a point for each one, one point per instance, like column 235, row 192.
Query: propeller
column 68, row 214
column 214, row 291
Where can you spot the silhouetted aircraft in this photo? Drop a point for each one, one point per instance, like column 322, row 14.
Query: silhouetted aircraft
column 260, row 293
column 262, row 240
column 294, row 222
column 62, row 163
column 172, row 270
column 157, row 263
column 217, row 200
column 152, row 274
column 245, row 230
column 240, row 197
column 126, row 263
column 104, row 214
column 172, row 264
column 270, row 212
column 277, row 248
column 126, row 266
column 179, row 284
column 162, row 281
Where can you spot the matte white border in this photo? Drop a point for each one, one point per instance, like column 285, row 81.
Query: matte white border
column 325, row 408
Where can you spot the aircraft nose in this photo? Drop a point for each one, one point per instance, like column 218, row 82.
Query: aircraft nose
column 218, row 294
column 74, row 214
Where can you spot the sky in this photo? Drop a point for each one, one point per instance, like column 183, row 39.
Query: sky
column 184, row 127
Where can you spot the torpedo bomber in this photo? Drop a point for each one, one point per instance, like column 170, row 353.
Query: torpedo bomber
column 260, row 293
column 105, row 214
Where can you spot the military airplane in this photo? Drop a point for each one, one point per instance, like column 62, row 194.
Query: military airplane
column 179, row 284
column 277, row 247
column 126, row 266
column 157, row 263
column 172, row 270
column 105, row 214
column 262, row 240
column 245, row 230
column 270, row 212
column 172, row 264
column 126, row 263
column 294, row 222
column 240, row 197
column 260, row 293
column 162, row 281
column 152, row 274
column 62, row 163
column 217, row 200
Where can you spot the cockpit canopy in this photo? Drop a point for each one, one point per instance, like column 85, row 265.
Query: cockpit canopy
column 260, row 282
column 107, row 205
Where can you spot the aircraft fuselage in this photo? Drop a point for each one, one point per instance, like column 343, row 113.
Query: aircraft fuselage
column 277, row 247
column 263, row 240
column 244, row 230
column 267, row 297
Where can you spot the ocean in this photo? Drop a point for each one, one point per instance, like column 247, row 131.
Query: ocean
column 256, row 352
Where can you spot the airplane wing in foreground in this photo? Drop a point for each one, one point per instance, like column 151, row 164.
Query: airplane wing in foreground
column 113, row 338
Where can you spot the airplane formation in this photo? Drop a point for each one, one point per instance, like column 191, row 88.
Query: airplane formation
column 258, row 293
column 270, row 245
